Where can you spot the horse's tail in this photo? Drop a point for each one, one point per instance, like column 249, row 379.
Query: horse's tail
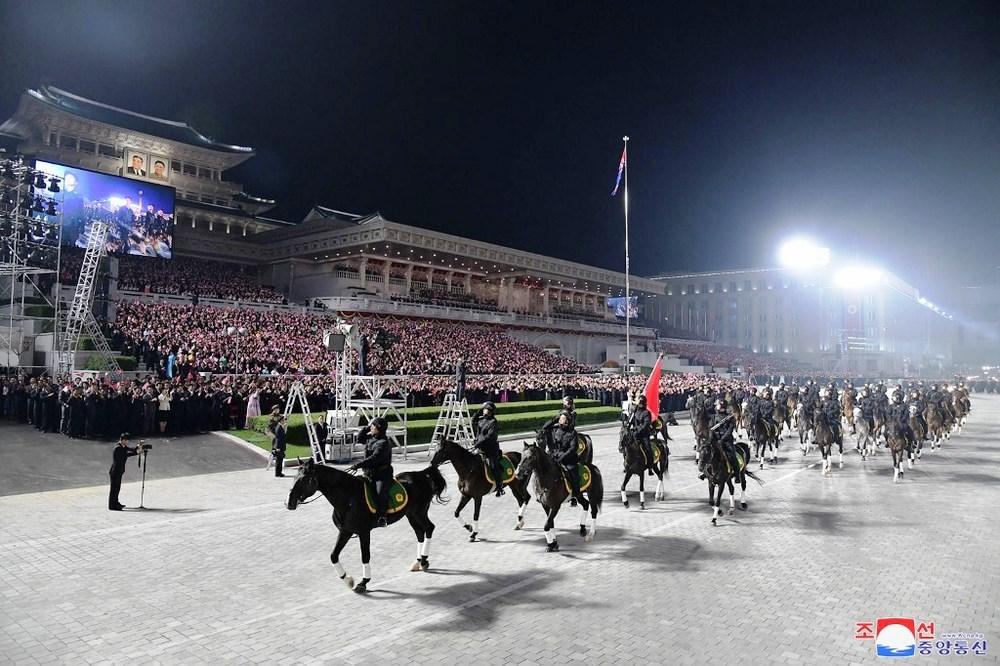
column 437, row 481
column 753, row 476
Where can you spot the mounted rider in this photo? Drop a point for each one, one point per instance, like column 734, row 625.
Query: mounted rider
column 564, row 445
column 765, row 411
column 487, row 441
column 899, row 417
column 916, row 402
column 868, row 404
column 831, row 390
column 640, row 424
column 831, row 410
column 722, row 425
column 568, row 409
column 781, row 396
column 377, row 465
column 881, row 401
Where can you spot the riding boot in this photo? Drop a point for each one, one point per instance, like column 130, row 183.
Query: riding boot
column 573, row 475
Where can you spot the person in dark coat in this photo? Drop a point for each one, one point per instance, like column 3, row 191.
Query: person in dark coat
column 280, row 444
column 460, row 379
column 641, row 425
column 484, row 425
column 122, row 453
column 564, row 444
column 377, row 466
column 77, row 415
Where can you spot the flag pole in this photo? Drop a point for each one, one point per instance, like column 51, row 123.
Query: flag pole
column 628, row 303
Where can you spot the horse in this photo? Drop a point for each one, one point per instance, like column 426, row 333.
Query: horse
column 351, row 515
column 719, row 473
column 700, row 426
column 958, row 407
column 825, row 438
column 473, row 484
column 897, row 444
column 584, row 450
column 780, row 416
column 879, row 429
column 635, row 463
column 551, row 491
column 803, row 425
column 737, row 412
column 866, row 440
column 847, row 408
column 918, row 430
column 935, row 425
column 765, row 439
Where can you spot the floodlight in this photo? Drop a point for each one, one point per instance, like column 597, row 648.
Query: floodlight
column 857, row 277
column 351, row 333
column 803, row 254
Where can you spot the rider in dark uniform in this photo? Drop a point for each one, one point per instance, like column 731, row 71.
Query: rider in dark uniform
column 568, row 409
column 564, row 444
column 832, row 392
column 899, row 417
column 917, row 403
column 377, row 466
column 722, row 426
column 868, row 405
column 765, row 409
column 781, row 396
column 881, row 401
column 641, row 425
column 831, row 409
column 487, row 441
column 751, row 411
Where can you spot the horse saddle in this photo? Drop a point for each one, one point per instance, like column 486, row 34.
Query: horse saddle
column 583, row 469
column 398, row 497
column 581, row 445
column 656, row 453
column 505, row 464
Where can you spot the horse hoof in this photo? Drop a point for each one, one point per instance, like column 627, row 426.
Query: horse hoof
column 731, row 511
column 743, row 506
column 468, row 527
column 362, row 587
column 349, row 581
column 642, row 506
column 553, row 547
column 415, row 566
column 625, row 504
column 472, row 537
column 425, row 563
column 583, row 530
column 714, row 521
column 519, row 525
column 589, row 538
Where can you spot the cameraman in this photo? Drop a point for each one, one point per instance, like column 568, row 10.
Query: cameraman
column 122, row 453
column 279, row 445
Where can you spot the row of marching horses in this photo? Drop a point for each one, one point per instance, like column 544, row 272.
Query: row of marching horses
column 934, row 424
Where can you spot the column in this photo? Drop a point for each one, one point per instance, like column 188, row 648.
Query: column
column 468, row 283
column 430, row 278
column 385, row 277
column 545, row 300
column 363, row 270
column 409, row 277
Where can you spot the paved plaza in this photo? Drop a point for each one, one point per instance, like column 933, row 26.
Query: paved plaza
column 218, row 571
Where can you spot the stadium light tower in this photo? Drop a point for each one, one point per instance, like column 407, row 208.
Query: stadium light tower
column 802, row 254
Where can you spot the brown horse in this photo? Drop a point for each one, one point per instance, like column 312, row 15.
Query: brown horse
column 847, row 408
column 918, row 430
column 936, row 427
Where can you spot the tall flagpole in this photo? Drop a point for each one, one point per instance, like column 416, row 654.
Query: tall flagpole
column 628, row 303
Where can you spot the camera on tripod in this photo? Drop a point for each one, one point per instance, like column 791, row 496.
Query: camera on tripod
column 143, row 446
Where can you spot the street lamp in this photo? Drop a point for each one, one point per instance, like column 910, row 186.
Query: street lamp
column 233, row 331
column 803, row 254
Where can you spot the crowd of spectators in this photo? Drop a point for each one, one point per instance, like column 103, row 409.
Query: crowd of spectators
column 178, row 276
column 721, row 356
column 177, row 339
column 444, row 298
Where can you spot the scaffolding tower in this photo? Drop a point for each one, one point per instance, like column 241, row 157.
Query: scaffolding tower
column 30, row 240
column 80, row 315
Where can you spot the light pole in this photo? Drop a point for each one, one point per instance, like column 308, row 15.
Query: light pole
column 233, row 331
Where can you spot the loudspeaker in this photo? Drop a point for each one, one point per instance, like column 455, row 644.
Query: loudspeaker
column 334, row 341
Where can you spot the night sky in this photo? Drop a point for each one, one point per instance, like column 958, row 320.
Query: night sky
column 873, row 126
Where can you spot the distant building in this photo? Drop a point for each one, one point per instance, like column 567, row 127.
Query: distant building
column 886, row 327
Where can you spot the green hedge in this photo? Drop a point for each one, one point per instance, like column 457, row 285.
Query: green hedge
column 525, row 406
column 38, row 311
column 126, row 363
column 420, row 431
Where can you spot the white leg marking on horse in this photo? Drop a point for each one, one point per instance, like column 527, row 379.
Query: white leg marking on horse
column 624, row 497
column 549, row 537
column 583, row 516
column 475, row 525
column 593, row 529
column 642, row 496
column 426, row 550
column 366, row 570
column 339, row 568
column 420, row 549
column 520, row 510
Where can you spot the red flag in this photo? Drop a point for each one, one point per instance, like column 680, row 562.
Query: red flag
column 652, row 390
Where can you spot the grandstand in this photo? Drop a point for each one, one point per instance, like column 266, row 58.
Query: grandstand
column 423, row 299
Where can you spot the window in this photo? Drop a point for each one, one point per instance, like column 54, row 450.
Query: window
column 718, row 287
column 746, row 285
column 175, row 166
column 53, row 138
column 67, row 142
column 204, row 173
column 222, row 202
column 190, row 170
column 106, row 150
column 205, row 199
column 732, row 286
column 761, row 284
column 704, row 287
column 689, row 290
column 88, row 147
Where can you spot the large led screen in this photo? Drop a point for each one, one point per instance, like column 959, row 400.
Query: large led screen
column 140, row 215
column 617, row 304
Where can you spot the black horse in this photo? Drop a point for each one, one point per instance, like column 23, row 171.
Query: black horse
column 636, row 463
column 351, row 515
column 721, row 473
column 472, row 482
column 551, row 491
